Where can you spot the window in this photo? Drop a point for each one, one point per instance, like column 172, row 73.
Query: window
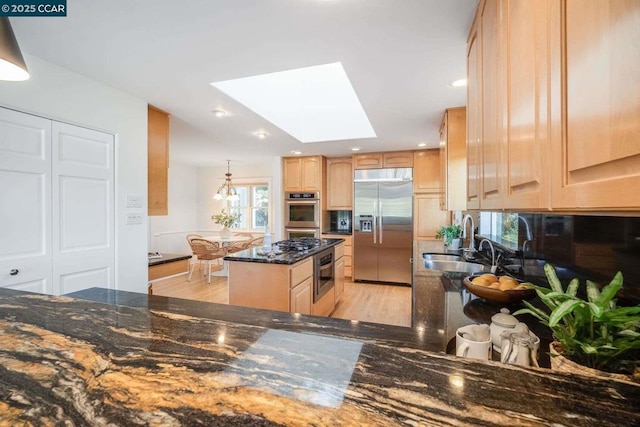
column 499, row 227
column 253, row 206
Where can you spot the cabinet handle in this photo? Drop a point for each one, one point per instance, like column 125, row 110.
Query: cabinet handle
column 14, row 272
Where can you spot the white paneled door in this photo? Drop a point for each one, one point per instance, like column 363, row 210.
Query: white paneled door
column 25, row 202
column 83, row 208
column 57, row 214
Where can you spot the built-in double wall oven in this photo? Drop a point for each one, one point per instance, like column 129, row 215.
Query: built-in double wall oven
column 302, row 214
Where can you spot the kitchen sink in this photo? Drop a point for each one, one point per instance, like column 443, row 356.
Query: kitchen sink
column 441, row 257
column 457, row 266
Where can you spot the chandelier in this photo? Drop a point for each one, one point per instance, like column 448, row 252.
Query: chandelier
column 226, row 191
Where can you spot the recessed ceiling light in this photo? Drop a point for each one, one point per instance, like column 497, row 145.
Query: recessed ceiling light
column 422, row 144
column 262, row 134
column 219, row 113
column 296, row 152
column 312, row 104
column 356, row 148
column 458, row 83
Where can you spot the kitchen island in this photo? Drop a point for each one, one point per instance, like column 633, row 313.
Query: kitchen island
column 150, row 360
column 283, row 280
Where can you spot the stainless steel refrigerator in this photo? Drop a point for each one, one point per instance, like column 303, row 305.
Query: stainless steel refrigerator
column 383, row 225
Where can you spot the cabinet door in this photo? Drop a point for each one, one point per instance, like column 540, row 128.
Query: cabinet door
column 428, row 217
column 596, row 156
column 528, row 109
column 291, row 174
column 311, row 173
column 493, row 104
column 367, row 161
column 158, row 161
column 339, row 184
column 398, row 159
column 339, row 278
column 474, row 117
column 453, row 159
column 426, row 171
column 301, row 297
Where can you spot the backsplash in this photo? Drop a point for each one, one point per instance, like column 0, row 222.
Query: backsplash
column 597, row 246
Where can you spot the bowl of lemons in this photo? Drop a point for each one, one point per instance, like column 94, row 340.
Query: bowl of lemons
column 498, row 289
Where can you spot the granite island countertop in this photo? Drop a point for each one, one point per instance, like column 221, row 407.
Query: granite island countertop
column 149, row 360
column 288, row 258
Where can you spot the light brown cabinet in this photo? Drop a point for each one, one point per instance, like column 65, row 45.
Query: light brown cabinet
column 301, row 297
column 157, row 161
column 553, row 110
column 339, row 183
column 474, row 115
column 393, row 159
column 346, row 251
column 339, row 272
column 453, row 159
column 595, row 155
column 426, row 171
column 428, row 217
column 303, row 173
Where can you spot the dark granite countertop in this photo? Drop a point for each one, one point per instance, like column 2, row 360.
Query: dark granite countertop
column 256, row 255
column 167, row 258
column 156, row 361
column 338, row 232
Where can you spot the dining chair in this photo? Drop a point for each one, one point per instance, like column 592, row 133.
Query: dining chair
column 207, row 251
column 257, row 242
column 194, row 257
column 241, row 245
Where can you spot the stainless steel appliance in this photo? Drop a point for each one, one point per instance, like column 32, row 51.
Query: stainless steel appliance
column 302, row 210
column 295, row 233
column 383, row 225
column 323, row 273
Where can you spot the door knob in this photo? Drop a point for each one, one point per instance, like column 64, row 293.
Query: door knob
column 14, row 272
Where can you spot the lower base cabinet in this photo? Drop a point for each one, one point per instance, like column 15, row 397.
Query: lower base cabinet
column 339, row 279
column 301, row 296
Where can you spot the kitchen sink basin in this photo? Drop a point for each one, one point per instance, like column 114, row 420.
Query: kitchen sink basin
column 457, row 266
column 441, row 257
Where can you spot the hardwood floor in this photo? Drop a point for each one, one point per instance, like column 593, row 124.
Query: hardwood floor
column 365, row 302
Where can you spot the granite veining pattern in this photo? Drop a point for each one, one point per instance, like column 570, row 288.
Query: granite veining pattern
column 66, row 361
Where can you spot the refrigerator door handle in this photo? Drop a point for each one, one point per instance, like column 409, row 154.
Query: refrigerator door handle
column 380, row 218
column 375, row 223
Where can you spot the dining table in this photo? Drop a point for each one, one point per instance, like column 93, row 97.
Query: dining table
column 225, row 241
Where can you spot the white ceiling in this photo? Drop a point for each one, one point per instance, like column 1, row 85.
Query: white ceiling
column 398, row 54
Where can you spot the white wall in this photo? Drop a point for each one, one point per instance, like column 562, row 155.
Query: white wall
column 209, row 179
column 56, row 93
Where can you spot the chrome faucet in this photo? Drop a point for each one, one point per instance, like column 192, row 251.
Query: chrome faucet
column 528, row 238
column 494, row 267
column 472, row 245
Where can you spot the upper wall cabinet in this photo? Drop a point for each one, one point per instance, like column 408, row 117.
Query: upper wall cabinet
column 453, row 159
column 596, row 89
column 303, row 173
column 394, row 159
column 426, row 171
column 158, row 161
column 474, row 115
column 339, row 184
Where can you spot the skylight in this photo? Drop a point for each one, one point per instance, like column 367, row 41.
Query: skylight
column 312, row 104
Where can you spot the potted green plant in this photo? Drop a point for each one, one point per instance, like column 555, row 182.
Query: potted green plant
column 592, row 332
column 227, row 220
column 451, row 235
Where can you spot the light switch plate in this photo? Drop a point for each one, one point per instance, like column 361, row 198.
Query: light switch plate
column 134, row 201
column 134, row 218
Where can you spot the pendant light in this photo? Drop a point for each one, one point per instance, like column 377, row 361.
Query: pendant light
column 226, row 191
column 12, row 65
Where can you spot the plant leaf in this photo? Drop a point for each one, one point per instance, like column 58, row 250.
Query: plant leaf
column 595, row 309
column 592, row 291
column 609, row 291
column 552, row 277
column 572, row 289
column 562, row 310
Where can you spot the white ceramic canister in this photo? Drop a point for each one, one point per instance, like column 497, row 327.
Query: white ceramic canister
column 501, row 322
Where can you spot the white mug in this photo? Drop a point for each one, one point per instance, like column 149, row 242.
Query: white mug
column 472, row 349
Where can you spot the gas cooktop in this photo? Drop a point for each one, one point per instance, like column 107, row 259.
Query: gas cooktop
column 300, row 244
